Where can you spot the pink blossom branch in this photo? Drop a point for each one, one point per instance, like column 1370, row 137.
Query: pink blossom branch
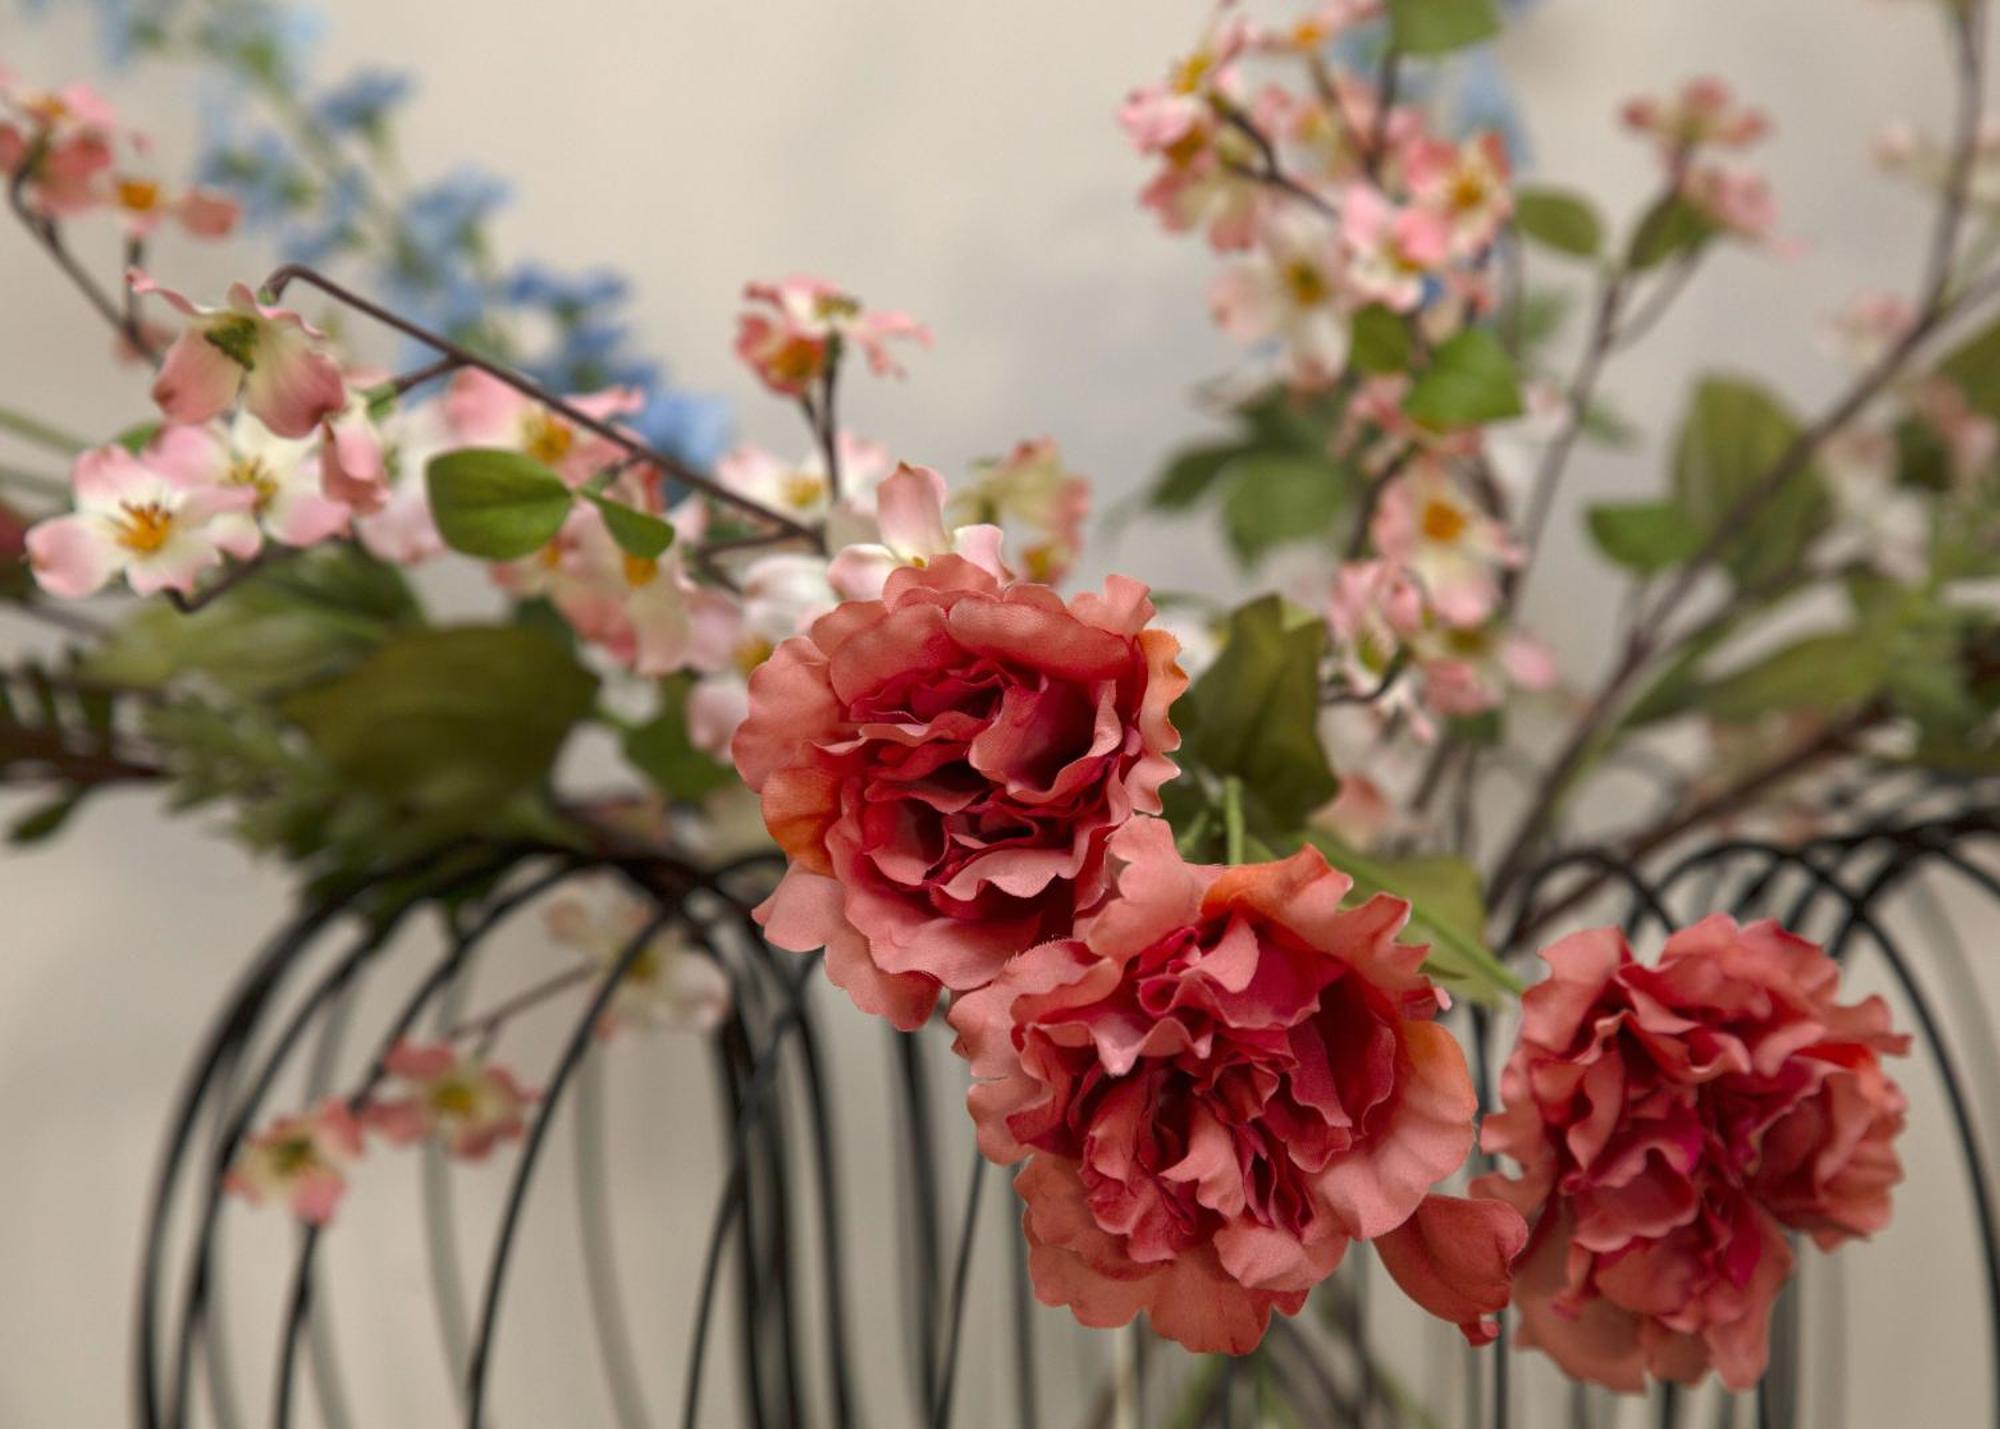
column 1938, row 305
column 462, row 356
column 44, row 231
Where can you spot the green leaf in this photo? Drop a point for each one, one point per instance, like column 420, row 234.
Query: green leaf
column 1436, row 27
column 297, row 621
column 638, row 533
column 1275, row 498
column 1734, row 434
column 463, row 719
column 1644, row 536
column 44, row 822
column 497, row 505
column 1672, row 226
column 1254, row 713
column 1975, row 367
column 1560, row 220
column 1446, row 907
column 1381, row 341
column 1189, row 476
column 1470, row 381
column 1824, row 674
column 660, row 749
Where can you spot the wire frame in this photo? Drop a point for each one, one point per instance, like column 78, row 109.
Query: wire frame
column 773, row 1307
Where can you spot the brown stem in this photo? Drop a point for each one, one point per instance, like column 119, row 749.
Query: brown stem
column 44, row 231
column 1835, row 740
column 1938, row 305
column 284, row 276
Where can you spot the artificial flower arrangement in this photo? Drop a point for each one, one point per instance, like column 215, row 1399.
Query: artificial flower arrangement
column 1198, row 899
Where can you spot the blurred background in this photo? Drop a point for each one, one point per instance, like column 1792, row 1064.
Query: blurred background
column 960, row 162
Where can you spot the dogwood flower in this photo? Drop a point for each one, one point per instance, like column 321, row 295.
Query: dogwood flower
column 155, row 527
column 144, row 204
column 1737, row 201
column 1031, row 485
column 300, row 1161
column 782, row 595
column 801, row 489
column 910, row 520
column 269, row 356
column 466, row 1102
column 353, row 465
column 1705, row 114
column 57, row 145
column 1391, row 250
column 669, row 986
column 1289, row 288
column 1467, row 184
column 791, row 346
column 1426, row 522
column 482, row 411
column 281, row 475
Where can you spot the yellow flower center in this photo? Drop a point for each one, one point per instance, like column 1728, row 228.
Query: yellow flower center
column 645, row 969
column 253, row 473
column 752, row 653
column 639, row 570
column 1469, row 190
column 1443, row 522
column 454, row 1098
column 1305, row 283
column 144, row 526
column 545, row 438
column 294, row 1156
column 1190, row 72
column 1040, row 562
column 835, row 306
column 1186, row 149
column 138, row 195
column 802, row 490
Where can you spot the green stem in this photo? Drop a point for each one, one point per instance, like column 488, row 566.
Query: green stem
column 1232, row 819
column 33, row 429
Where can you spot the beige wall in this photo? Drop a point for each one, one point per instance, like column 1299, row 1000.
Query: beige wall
column 957, row 160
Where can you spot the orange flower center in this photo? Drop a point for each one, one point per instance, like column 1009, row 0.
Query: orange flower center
column 639, row 570
column 797, row 360
column 144, row 526
column 1443, row 522
column 138, row 195
column 545, row 438
column 253, row 473
column 1305, row 283
column 802, row 490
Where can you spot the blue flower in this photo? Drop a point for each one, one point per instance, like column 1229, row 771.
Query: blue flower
column 360, row 104
column 693, row 426
column 443, row 219
column 567, row 297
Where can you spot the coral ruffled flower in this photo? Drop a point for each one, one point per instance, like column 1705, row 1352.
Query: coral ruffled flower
column 467, row 1103
column 270, row 356
column 1670, row 1123
column 944, row 767
column 301, row 1161
column 1217, row 1085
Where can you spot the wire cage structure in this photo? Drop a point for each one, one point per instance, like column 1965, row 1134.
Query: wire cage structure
column 773, row 1334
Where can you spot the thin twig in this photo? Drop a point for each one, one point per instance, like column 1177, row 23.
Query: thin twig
column 679, row 470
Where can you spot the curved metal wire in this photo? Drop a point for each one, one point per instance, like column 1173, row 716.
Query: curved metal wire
column 781, row 1149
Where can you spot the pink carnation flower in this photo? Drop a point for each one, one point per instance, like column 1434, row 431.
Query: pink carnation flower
column 1670, row 1123
column 1217, row 1084
column 944, row 766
